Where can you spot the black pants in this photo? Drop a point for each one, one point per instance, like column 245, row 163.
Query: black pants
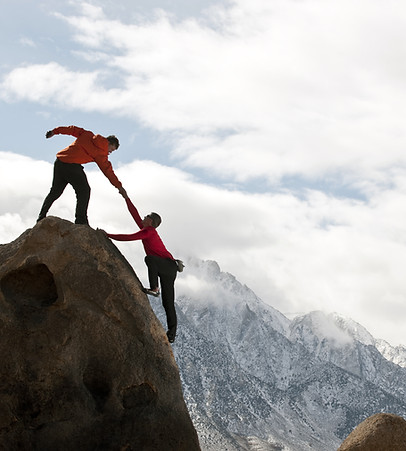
column 73, row 174
column 166, row 269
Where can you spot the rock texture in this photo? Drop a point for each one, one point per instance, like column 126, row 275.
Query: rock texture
column 380, row 432
column 85, row 364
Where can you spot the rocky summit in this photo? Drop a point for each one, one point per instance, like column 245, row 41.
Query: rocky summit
column 85, row 364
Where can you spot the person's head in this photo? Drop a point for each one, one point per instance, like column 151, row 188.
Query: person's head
column 113, row 143
column 152, row 220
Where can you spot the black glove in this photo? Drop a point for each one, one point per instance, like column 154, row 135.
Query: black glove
column 49, row 134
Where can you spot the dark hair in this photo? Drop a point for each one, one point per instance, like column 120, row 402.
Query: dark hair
column 113, row 140
column 156, row 219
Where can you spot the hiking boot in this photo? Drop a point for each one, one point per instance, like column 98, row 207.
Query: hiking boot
column 171, row 334
column 151, row 292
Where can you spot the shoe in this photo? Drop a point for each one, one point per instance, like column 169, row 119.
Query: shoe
column 151, row 292
column 171, row 334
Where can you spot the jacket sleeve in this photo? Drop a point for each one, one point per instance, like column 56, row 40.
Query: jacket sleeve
column 134, row 213
column 105, row 166
column 71, row 130
column 130, row 237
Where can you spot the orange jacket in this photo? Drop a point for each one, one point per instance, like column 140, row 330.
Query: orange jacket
column 85, row 149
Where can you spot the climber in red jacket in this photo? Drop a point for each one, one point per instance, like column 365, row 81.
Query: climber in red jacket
column 68, row 168
column 159, row 261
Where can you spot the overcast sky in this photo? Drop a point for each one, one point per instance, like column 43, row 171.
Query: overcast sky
column 269, row 135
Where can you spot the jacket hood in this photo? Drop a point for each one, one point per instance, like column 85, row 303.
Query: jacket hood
column 100, row 141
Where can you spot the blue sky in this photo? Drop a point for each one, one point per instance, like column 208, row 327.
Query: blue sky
column 269, row 134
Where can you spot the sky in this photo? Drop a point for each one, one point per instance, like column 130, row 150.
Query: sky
column 269, row 135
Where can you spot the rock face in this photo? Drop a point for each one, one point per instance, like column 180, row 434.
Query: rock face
column 380, row 432
column 85, row 364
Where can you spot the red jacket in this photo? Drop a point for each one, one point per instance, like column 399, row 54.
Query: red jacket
column 152, row 242
column 85, row 149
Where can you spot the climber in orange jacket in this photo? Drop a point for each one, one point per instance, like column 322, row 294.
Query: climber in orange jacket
column 68, row 168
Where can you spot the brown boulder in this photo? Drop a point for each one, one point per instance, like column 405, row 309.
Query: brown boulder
column 85, row 364
column 380, row 432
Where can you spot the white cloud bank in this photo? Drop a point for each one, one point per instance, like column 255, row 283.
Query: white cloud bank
column 261, row 88
column 313, row 253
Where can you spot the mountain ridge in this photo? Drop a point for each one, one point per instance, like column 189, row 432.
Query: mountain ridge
column 255, row 376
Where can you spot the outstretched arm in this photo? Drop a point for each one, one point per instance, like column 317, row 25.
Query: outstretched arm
column 71, row 130
column 134, row 212
column 106, row 167
column 129, row 237
column 125, row 236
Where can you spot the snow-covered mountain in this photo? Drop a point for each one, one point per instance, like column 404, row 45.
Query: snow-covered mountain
column 255, row 380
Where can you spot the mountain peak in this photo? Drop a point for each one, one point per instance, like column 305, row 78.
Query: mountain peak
column 320, row 326
column 255, row 379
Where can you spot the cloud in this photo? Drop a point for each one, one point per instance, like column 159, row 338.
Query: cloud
column 313, row 252
column 52, row 82
column 256, row 89
column 326, row 327
column 26, row 42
